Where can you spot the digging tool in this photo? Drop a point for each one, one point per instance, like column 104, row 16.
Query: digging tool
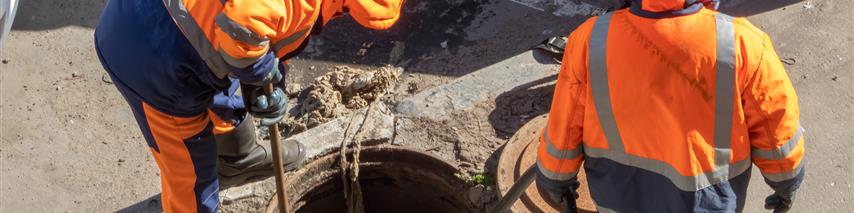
column 519, row 187
column 515, row 191
column 278, row 170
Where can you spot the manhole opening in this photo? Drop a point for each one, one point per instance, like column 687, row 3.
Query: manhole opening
column 393, row 179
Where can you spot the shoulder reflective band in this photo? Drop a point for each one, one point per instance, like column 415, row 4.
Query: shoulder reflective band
column 599, row 81
column 188, row 26
column 724, row 89
column 724, row 92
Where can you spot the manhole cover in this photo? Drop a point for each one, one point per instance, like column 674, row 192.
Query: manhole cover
column 519, row 153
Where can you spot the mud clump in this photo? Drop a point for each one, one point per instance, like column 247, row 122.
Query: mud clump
column 340, row 92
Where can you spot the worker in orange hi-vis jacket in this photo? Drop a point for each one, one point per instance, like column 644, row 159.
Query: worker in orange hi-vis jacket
column 668, row 103
column 179, row 63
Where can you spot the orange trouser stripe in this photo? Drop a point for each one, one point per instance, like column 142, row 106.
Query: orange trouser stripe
column 178, row 176
column 220, row 126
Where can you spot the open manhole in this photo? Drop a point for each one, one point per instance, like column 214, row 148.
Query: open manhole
column 393, row 179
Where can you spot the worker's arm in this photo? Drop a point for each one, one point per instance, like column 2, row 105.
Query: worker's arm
column 242, row 36
column 775, row 132
column 375, row 14
column 560, row 153
column 244, row 29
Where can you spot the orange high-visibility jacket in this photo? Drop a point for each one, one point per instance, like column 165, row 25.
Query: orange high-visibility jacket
column 667, row 110
column 239, row 32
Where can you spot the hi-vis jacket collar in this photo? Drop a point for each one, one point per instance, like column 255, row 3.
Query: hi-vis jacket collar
column 669, row 8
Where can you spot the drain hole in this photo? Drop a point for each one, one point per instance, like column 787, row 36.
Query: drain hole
column 393, row 180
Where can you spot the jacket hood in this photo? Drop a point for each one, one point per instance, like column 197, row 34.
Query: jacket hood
column 663, row 5
column 669, row 8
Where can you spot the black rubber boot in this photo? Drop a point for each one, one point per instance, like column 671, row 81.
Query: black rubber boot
column 242, row 159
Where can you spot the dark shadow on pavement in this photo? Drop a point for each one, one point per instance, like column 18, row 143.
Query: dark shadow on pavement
column 445, row 38
column 35, row 15
column 513, row 109
column 150, row 205
column 744, row 8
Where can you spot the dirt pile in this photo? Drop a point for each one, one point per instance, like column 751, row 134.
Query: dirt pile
column 339, row 93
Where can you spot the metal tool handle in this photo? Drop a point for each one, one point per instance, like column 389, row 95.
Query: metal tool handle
column 278, row 169
column 516, row 190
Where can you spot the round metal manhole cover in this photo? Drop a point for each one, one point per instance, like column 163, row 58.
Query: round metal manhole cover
column 518, row 154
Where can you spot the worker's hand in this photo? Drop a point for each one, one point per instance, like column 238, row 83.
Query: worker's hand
column 274, row 76
column 269, row 108
column 557, row 190
column 778, row 203
column 561, row 195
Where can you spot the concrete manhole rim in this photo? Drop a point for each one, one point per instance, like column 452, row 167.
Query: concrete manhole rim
column 371, row 156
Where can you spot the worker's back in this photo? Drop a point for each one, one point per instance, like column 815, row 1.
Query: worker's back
column 666, row 109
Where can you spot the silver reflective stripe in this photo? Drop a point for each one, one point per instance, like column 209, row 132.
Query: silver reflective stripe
column 555, row 175
column 599, row 82
column 684, row 183
column 725, row 89
column 239, row 32
column 724, row 92
column 196, row 36
column 558, row 153
column 237, row 62
column 290, row 39
column 783, row 151
column 779, row 177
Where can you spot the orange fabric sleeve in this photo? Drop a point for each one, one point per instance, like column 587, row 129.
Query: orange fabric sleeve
column 564, row 129
column 375, row 14
column 245, row 26
column 772, row 114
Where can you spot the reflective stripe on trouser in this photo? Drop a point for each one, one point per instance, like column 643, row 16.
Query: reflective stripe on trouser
column 724, row 94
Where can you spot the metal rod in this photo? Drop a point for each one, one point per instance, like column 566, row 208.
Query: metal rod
column 515, row 191
column 275, row 138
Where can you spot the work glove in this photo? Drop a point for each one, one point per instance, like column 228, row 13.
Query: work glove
column 784, row 192
column 778, row 203
column 270, row 109
column 558, row 191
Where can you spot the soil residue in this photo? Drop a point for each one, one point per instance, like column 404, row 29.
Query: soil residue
column 338, row 93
